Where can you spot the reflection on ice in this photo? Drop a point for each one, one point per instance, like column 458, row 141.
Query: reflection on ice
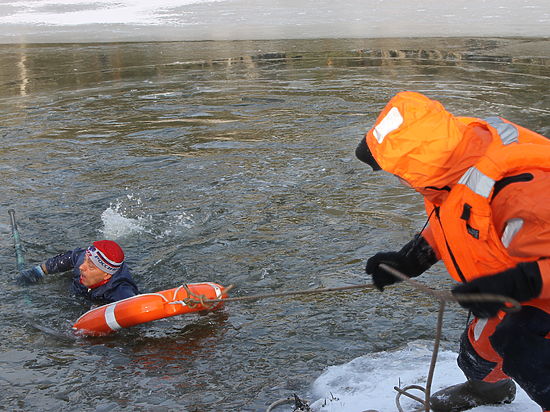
column 78, row 12
column 168, row 20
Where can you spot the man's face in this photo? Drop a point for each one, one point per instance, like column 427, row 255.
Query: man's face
column 90, row 274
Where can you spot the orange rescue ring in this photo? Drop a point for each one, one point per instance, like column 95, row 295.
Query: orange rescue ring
column 147, row 307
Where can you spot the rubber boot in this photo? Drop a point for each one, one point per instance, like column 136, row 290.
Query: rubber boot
column 470, row 394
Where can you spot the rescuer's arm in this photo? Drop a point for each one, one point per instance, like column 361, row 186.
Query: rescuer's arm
column 522, row 283
column 413, row 259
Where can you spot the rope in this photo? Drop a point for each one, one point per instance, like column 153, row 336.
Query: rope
column 449, row 297
column 299, row 404
column 442, row 296
column 278, row 403
column 203, row 300
column 439, row 295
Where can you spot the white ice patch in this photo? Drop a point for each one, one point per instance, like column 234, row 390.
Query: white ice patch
column 75, row 12
column 367, row 382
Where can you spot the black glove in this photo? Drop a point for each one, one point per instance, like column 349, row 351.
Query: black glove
column 521, row 283
column 413, row 259
column 30, row 276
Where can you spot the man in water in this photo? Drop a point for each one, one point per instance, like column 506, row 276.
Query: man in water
column 486, row 187
column 99, row 272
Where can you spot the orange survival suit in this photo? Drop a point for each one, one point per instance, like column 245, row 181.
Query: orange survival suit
column 486, row 186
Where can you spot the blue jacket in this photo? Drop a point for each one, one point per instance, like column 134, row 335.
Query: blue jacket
column 120, row 286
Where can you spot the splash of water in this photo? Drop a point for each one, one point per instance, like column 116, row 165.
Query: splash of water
column 116, row 225
column 125, row 217
column 180, row 222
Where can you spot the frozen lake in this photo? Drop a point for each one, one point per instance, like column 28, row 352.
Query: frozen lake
column 231, row 162
column 55, row 21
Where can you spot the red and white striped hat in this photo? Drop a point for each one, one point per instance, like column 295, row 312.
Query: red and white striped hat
column 106, row 255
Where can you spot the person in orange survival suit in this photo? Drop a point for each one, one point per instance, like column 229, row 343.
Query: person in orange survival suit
column 486, row 187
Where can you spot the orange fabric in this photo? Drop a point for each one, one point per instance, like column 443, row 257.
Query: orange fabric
column 486, row 255
column 479, row 332
column 395, row 145
column 416, row 139
column 529, row 201
column 147, row 307
column 475, row 257
column 544, row 266
column 508, row 160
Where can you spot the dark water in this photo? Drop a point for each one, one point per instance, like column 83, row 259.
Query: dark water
column 230, row 162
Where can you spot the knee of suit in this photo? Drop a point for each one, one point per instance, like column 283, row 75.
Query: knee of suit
column 507, row 339
column 519, row 333
column 474, row 366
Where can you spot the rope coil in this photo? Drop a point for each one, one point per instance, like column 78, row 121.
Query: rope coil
column 193, row 300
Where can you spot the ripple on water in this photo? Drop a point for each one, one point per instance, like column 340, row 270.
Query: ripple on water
column 231, row 170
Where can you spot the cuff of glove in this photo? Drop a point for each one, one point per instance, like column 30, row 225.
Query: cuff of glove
column 421, row 253
column 39, row 271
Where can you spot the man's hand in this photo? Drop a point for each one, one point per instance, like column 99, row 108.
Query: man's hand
column 486, row 309
column 412, row 260
column 31, row 276
column 380, row 277
column 521, row 283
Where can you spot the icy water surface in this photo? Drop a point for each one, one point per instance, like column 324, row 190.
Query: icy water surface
column 230, row 162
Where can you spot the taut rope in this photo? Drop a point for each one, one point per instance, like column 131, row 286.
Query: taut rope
column 203, row 300
column 442, row 296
